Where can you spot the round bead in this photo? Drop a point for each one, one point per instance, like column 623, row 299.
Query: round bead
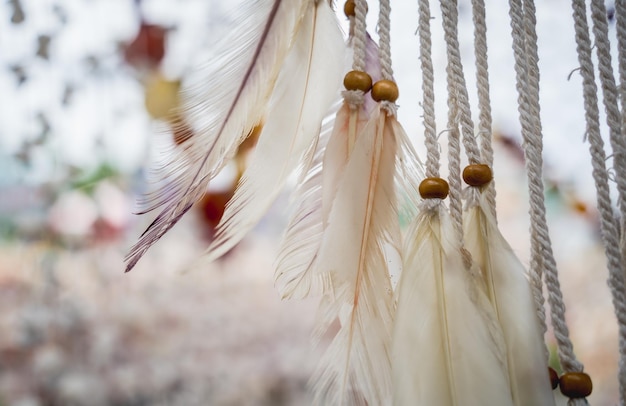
column 575, row 385
column 477, row 175
column 434, row 188
column 349, row 9
column 357, row 80
column 554, row 378
column 386, row 90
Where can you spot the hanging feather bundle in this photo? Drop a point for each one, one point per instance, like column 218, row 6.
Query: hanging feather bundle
column 296, row 275
column 447, row 347
column 307, row 85
column 360, row 233
column 230, row 99
column 362, row 224
column 509, row 292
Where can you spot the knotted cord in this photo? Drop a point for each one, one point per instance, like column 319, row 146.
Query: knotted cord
column 523, row 21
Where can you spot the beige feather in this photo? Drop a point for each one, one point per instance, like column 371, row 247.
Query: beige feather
column 510, row 294
column 296, row 272
column 355, row 369
column 223, row 104
column 447, row 350
column 307, row 86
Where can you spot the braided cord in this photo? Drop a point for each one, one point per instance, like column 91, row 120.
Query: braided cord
column 523, row 22
column 428, row 91
column 610, row 230
column 459, row 117
column 484, row 101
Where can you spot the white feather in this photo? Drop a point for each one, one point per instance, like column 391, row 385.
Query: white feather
column 510, row 294
column 355, row 369
column 307, row 86
column 230, row 99
column 446, row 349
column 296, row 274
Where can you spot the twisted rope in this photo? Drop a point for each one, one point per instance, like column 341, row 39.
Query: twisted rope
column 428, row 91
column 620, row 25
column 610, row 97
column 484, row 101
column 609, row 228
column 536, row 262
column 523, row 23
column 459, row 115
column 358, row 32
column 384, row 43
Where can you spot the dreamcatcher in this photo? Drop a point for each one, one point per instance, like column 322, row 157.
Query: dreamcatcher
column 465, row 323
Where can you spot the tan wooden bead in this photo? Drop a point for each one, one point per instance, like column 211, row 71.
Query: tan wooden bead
column 477, row 175
column 357, row 80
column 385, row 90
column 434, row 188
column 554, row 378
column 575, row 385
column 349, row 8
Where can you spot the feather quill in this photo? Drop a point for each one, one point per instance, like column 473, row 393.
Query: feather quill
column 447, row 351
column 510, row 294
column 306, row 87
column 296, row 275
column 229, row 101
column 362, row 223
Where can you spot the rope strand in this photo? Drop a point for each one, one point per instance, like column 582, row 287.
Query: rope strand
column 609, row 228
column 459, row 116
column 428, row 91
column 542, row 258
column 384, row 43
column 484, row 101
column 360, row 35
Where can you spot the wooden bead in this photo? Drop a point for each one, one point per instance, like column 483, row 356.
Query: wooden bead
column 477, row 175
column 349, row 9
column 386, row 90
column 434, row 188
column 357, row 80
column 554, row 378
column 575, row 385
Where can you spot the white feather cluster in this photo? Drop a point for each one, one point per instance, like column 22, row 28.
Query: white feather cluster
column 449, row 335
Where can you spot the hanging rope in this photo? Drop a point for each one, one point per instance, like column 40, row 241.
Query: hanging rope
column 428, row 91
column 484, row 102
column 359, row 35
column 357, row 11
column 620, row 24
column 609, row 226
column 536, row 262
column 610, row 98
column 459, row 115
column 542, row 258
column 384, row 43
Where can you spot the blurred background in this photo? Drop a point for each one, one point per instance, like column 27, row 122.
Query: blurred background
column 86, row 88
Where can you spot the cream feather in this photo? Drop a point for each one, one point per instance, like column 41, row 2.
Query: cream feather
column 293, row 275
column 355, row 369
column 307, row 86
column 229, row 99
column 447, row 351
column 510, row 294
column 296, row 274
